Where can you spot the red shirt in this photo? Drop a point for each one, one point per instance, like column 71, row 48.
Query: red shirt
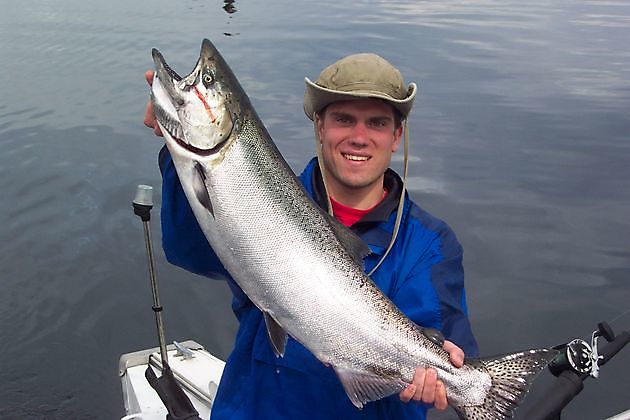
column 348, row 216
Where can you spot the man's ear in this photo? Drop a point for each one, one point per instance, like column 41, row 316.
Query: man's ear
column 397, row 136
column 319, row 125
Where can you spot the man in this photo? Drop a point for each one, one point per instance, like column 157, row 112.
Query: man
column 358, row 106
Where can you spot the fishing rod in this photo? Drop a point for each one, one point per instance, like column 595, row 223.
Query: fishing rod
column 175, row 400
column 576, row 361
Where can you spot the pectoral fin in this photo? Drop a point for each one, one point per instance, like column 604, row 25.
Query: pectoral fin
column 277, row 335
column 363, row 387
column 200, row 189
column 351, row 241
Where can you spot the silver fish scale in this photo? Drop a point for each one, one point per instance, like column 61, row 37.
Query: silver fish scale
column 309, row 283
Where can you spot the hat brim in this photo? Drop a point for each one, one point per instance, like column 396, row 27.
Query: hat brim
column 317, row 98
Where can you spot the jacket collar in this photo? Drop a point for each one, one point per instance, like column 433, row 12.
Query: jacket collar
column 380, row 214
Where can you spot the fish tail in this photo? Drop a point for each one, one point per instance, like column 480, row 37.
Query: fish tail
column 511, row 376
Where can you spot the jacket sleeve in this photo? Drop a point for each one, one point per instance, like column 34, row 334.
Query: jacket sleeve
column 433, row 293
column 447, row 277
column 182, row 239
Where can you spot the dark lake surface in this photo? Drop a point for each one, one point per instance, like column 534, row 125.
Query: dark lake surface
column 520, row 141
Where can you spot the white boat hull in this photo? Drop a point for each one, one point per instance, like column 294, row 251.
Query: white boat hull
column 198, row 376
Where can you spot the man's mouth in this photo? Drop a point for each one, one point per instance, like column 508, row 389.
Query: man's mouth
column 355, row 157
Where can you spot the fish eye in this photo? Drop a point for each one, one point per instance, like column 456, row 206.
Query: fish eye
column 207, row 79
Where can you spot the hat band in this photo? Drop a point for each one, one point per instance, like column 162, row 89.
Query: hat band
column 367, row 88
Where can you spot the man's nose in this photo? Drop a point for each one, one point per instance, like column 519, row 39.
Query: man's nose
column 359, row 135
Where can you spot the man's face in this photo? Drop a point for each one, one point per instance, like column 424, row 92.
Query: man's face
column 358, row 138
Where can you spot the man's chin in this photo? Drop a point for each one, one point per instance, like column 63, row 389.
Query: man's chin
column 357, row 183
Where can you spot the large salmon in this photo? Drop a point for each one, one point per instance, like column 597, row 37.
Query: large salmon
column 297, row 264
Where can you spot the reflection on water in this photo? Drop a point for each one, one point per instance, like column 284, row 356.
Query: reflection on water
column 229, row 6
column 519, row 140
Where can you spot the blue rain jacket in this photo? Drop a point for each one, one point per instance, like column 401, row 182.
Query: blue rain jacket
column 422, row 275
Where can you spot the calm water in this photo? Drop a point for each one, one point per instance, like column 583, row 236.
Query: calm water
column 521, row 141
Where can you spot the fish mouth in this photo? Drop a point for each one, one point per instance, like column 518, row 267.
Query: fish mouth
column 172, row 126
column 165, row 74
column 179, row 89
column 201, row 152
column 169, row 77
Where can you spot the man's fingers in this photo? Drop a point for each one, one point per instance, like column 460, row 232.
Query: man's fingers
column 440, row 396
column 419, row 380
column 149, row 117
column 148, row 76
column 150, row 121
column 428, row 390
column 407, row 394
column 456, row 355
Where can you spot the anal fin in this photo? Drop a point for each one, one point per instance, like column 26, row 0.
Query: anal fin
column 277, row 335
column 363, row 387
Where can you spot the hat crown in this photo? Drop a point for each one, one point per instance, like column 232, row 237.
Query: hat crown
column 359, row 76
column 364, row 72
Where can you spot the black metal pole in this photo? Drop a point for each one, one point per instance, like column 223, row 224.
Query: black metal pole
column 168, row 389
column 142, row 205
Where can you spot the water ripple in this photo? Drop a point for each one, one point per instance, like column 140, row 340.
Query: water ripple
column 519, row 140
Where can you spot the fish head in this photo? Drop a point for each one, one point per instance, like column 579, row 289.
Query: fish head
column 200, row 111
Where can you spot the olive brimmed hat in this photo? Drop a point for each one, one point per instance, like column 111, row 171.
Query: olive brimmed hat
column 359, row 76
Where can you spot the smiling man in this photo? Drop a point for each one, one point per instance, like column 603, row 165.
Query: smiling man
column 357, row 139
column 359, row 106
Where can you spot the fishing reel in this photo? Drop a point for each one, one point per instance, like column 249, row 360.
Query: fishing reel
column 576, row 361
column 580, row 356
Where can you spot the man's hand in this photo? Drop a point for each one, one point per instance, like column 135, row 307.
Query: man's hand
column 426, row 387
column 149, row 116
